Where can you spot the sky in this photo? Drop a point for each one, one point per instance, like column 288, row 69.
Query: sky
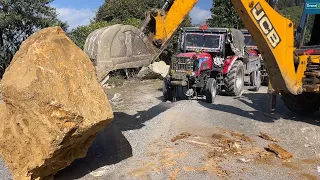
column 79, row 12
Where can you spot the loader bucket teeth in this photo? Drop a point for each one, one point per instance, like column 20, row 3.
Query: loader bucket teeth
column 118, row 47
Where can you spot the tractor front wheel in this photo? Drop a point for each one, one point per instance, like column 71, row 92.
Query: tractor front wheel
column 211, row 90
column 167, row 91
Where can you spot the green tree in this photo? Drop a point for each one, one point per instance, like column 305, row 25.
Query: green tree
column 18, row 20
column 129, row 12
column 224, row 15
column 121, row 10
column 293, row 9
column 289, row 3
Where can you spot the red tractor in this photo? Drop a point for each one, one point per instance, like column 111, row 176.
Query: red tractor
column 211, row 60
column 253, row 50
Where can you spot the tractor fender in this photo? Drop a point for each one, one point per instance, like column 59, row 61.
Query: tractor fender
column 228, row 64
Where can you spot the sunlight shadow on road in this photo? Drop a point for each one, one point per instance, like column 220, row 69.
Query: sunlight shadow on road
column 127, row 122
column 259, row 102
column 109, row 147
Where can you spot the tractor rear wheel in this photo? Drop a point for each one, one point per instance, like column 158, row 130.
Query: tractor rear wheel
column 255, row 79
column 234, row 80
column 303, row 104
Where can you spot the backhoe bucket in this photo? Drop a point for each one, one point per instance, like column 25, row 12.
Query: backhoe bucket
column 118, row 47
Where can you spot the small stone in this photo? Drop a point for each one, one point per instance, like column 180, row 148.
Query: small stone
column 244, row 160
column 307, row 145
column 236, row 145
column 116, row 98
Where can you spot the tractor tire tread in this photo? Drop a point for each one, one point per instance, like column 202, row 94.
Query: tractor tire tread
column 300, row 105
column 230, row 79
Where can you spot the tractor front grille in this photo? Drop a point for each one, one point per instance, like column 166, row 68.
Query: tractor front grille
column 182, row 64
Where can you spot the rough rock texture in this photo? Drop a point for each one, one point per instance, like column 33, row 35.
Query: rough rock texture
column 154, row 71
column 147, row 73
column 53, row 106
column 282, row 153
column 0, row 91
column 160, row 68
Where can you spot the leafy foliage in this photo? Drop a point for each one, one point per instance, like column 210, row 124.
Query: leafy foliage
column 18, row 20
column 282, row 4
column 122, row 10
column 224, row 15
column 293, row 10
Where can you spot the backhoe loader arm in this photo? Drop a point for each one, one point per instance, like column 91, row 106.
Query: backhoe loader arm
column 274, row 36
column 163, row 23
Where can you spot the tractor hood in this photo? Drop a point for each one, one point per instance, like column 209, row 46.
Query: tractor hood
column 192, row 54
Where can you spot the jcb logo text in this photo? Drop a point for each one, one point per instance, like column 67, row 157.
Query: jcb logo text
column 265, row 25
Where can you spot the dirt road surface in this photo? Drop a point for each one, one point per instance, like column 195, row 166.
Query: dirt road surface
column 151, row 139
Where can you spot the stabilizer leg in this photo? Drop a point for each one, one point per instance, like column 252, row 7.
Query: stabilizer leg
column 272, row 100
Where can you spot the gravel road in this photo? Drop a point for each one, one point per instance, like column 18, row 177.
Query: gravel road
column 217, row 141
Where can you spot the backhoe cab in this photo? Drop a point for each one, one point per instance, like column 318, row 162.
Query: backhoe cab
column 211, row 60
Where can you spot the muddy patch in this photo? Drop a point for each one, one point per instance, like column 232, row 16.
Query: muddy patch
column 267, row 137
column 241, row 137
column 181, row 136
column 309, row 176
column 279, row 151
column 169, row 159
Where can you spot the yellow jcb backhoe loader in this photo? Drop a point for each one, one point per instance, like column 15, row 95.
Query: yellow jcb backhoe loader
column 294, row 69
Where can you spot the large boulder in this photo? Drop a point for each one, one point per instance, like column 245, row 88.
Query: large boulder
column 0, row 91
column 147, row 73
column 160, row 68
column 156, row 70
column 53, row 106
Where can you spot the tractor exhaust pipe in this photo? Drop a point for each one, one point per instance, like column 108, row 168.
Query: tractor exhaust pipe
column 167, row 5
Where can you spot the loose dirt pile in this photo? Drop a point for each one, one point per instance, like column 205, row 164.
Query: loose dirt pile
column 181, row 136
column 53, row 106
